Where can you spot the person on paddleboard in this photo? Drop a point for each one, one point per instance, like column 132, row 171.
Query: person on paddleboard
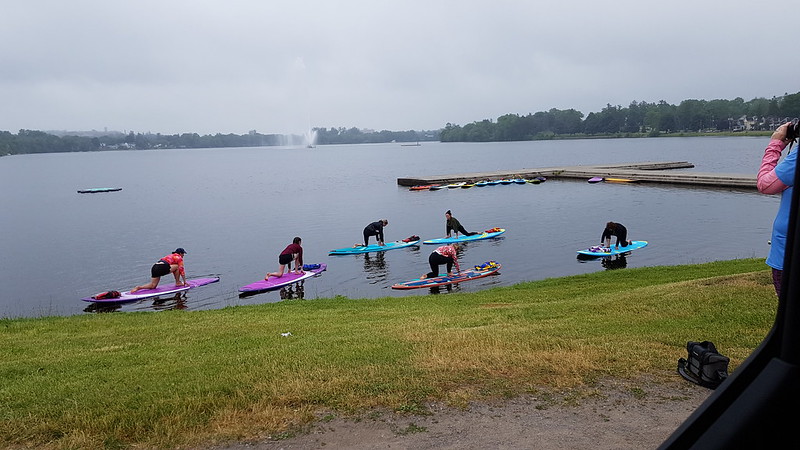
column 375, row 229
column 445, row 254
column 172, row 263
column 292, row 252
column 454, row 225
column 618, row 230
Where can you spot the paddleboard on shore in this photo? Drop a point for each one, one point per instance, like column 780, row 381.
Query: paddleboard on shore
column 162, row 289
column 595, row 179
column 286, row 279
column 601, row 251
column 488, row 234
column 485, row 270
column 356, row 249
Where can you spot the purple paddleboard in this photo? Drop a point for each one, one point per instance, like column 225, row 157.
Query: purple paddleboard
column 162, row 289
column 286, row 279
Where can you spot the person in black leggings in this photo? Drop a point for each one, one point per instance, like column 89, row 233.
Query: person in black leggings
column 375, row 229
column 454, row 225
column 618, row 230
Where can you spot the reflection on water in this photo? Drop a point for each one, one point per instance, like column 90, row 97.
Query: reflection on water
column 609, row 262
column 438, row 289
column 615, row 262
column 375, row 267
column 105, row 307
column 293, row 291
column 178, row 301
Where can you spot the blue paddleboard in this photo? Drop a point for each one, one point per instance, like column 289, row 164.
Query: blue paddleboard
column 613, row 251
column 373, row 248
column 443, row 279
column 462, row 238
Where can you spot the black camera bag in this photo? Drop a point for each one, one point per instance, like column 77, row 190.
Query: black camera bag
column 704, row 365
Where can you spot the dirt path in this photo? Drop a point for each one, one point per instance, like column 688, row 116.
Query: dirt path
column 621, row 415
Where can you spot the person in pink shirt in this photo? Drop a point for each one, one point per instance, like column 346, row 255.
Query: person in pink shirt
column 446, row 254
column 292, row 252
column 172, row 263
column 776, row 177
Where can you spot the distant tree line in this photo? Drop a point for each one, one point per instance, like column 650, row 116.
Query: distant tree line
column 638, row 119
column 356, row 136
column 30, row 141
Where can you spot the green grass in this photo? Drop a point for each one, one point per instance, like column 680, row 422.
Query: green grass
column 179, row 378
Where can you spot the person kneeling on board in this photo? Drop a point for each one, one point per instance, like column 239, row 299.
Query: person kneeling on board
column 172, row 263
column 445, row 254
column 454, row 225
column 618, row 230
column 292, row 252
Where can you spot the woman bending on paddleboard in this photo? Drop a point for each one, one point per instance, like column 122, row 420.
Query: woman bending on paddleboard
column 172, row 263
column 454, row 225
column 375, row 229
column 292, row 252
column 615, row 229
column 445, row 254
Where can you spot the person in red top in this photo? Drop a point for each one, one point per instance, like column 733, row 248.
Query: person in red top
column 445, row 254
column 172, row 263
column 293, row 252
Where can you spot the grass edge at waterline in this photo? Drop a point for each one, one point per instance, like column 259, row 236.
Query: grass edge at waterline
column 189, row 377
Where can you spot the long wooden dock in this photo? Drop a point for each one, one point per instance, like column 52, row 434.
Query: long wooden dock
column 645, row 172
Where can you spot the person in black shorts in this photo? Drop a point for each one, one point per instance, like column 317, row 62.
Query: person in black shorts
column 172, row 263
column 292, row 252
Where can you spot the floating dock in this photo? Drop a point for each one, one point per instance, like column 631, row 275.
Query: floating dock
column 644, row 172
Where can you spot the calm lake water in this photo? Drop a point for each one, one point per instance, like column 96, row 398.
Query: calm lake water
column 234, row 210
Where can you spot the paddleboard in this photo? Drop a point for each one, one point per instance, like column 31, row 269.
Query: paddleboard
column 423, row 187
column 285, row 280
column 620, row 180
column 443, row 279
column 455, row 185
column 462, row 238
column 162, row 289
column 592, row 251
column 96, row 190
column 595, row 179
column 373, row 248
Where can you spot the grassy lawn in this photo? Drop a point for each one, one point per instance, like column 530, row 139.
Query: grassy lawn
column 163, row 379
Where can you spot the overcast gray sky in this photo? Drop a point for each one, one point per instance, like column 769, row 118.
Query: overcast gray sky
column 174, row 66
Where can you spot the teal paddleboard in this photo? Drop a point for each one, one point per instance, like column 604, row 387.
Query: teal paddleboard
column 462, row 238
column 373, row 248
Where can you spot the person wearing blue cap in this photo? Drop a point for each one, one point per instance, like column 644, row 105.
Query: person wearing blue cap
column 172, row 263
